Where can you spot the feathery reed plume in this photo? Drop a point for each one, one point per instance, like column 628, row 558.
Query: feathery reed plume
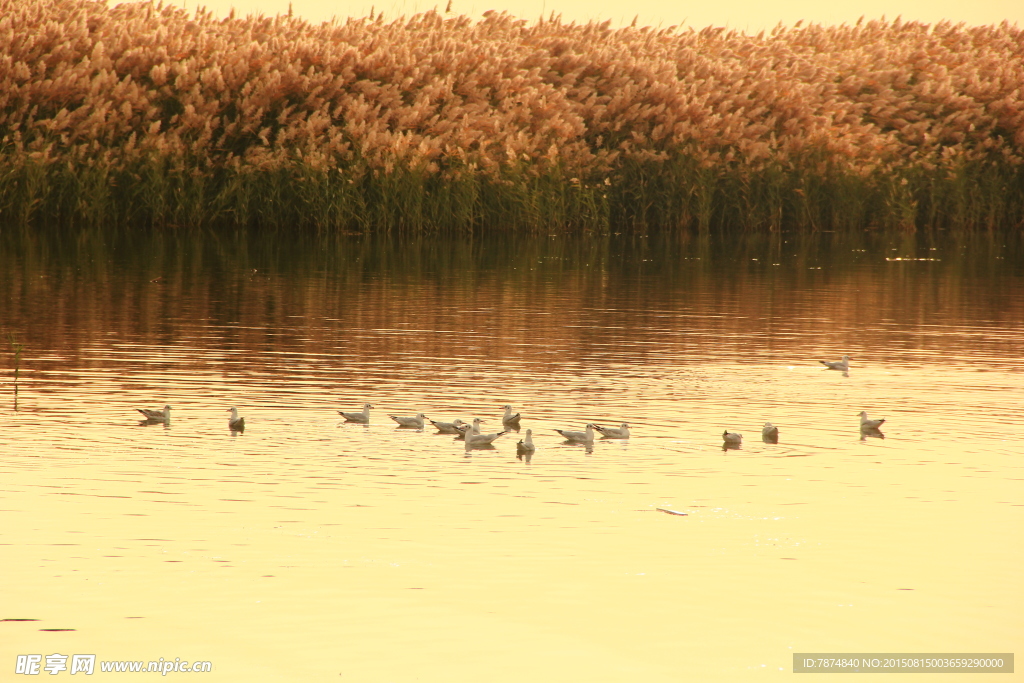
column 145, row 114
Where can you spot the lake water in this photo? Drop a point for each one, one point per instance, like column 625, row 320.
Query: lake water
column 311, row 549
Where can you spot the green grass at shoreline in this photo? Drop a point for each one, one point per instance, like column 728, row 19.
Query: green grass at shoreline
column 666, row 195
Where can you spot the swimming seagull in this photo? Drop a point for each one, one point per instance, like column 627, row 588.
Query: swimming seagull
column 475, row 438
column 363, row 417
column 508, row 419
column 416, row 422
column 843, row 364
column 464, row 428
column 620, row 432
column 235, row 423
column 865, row 423
column 770, row 433
column 525, row 445
column 731, row 437
column 579, row 437
column 156, row 415
column 449, row 427
column 482, row 439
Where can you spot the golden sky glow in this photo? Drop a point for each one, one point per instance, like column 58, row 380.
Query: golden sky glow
column 746, row 15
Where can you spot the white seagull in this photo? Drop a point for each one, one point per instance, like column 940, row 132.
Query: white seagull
column 843, row 364
column 525, row 445
column 475, row 438
column 731, row 437
column 235, row 423
column 449, row 427
column 865, row 423
column 416, row 422
column 482, row 439
column 620, row 432
column 156, row 415
column 465, row 429
column 508, row 419
column 579, row 437
column 363, row 417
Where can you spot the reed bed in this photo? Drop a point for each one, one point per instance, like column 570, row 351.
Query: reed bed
column 146, row 115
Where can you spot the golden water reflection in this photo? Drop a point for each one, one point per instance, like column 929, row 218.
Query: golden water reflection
column 307, row 548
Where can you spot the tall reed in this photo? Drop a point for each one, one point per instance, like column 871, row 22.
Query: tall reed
column 146, row 115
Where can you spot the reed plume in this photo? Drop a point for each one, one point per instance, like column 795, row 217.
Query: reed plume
column 145, row 114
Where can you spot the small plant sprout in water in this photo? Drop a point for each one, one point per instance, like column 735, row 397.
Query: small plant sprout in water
column 17, row 347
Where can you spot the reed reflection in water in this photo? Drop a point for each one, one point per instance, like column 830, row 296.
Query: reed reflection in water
column 307, row 547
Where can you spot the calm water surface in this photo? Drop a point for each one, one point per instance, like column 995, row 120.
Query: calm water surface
column 310, row 549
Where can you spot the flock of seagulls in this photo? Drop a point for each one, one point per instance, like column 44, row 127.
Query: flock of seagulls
column 770, row 433
column 235, row 423
column 472, row 436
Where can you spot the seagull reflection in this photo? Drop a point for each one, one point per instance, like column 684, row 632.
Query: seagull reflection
column 873, row 432
column 479, row 446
